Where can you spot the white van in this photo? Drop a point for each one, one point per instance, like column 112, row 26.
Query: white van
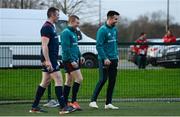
column 23, row 25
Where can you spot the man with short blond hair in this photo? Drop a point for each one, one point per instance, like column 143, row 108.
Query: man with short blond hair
column 72, row 60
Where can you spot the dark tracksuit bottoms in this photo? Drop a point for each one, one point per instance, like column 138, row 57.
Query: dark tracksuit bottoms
column 106, row 72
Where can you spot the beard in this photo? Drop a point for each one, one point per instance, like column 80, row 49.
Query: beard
column 113, row 24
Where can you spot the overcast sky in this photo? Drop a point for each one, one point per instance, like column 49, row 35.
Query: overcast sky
column 134, row 8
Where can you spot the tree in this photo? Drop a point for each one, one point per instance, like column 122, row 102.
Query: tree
column 153, row 24
column 27, row 4
column 70, row 7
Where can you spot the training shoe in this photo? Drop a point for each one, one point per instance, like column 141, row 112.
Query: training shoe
column 52, row 103
column 37, row 110
column 76, row 105
column 66, row 110
column 110, row 106
column 93, row 105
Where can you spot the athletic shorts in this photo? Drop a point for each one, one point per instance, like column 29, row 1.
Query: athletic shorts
column 68, row 68
column 55, row 65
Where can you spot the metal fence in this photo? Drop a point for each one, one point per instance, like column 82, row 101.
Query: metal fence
column 20, row 73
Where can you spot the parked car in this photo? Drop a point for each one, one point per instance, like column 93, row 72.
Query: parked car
column 159, row 55
column 154, row 51
column 171, row 56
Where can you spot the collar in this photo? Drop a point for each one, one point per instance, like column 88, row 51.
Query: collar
column 108, row 25
column 53, row 25
column 71, row 28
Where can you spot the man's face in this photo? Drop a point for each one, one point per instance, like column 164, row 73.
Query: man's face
column 55, row 16
column 169, row 33
column 75, row 23
column 114, row 20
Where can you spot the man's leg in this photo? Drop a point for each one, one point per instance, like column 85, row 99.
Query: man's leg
column 103, row 74
column 78, row 79
column 112, row 80
column 57, row 77
column 144, row 61
column 139, row 62
column 40, row 91
column 67, row 86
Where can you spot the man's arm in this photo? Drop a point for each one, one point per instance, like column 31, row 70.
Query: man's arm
column 100, row 38
column 99, row 46
column 45, row 51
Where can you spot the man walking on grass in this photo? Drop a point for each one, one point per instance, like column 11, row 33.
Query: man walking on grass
column 106, row 46
column 50, row 67
column 72, row 60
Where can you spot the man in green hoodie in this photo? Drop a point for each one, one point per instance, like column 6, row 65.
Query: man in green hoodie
column 107, row 37
column 72, row 60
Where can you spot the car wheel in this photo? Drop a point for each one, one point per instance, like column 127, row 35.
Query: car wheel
column 90, row 61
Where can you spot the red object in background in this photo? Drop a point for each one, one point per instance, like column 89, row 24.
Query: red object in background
column 141, row 49
column 169, row 39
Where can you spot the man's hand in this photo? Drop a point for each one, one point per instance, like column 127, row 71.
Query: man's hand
column 74, row 64
column 49, row 66
column 82, row 60
column 107, row 62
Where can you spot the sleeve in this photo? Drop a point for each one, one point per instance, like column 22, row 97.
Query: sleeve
column 165, row 39
column 100, row 38
column 46, row 31
column 174, row 39
column 66, row 44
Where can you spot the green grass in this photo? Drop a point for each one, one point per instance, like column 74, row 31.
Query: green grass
column 20, row 84
column 126, row 109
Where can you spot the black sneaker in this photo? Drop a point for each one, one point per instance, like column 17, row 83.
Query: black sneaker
column 66, row 110
column 37, row 110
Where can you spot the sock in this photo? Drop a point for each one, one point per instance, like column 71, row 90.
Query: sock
column 39, row 93
column 75, row 91
column 66, row 93
column 59, row 95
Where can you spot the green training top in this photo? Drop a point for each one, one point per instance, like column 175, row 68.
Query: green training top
column 69, row 43
column 107, row 38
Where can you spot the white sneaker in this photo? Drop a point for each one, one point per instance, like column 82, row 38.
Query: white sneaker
column 52, row 103
column 93, row 105
column 110, row 106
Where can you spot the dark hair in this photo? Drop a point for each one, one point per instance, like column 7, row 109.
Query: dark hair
column 141, row 34
column 72, row 18
column 169, row 30
column 51, row 11
column 112, row 13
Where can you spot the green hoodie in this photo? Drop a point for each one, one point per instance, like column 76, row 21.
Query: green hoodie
column 69, row 43
column 106, row 45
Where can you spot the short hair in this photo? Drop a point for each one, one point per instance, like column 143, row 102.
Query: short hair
column 142, row 33
column 51, row 11
column 72, row 18
column 112, row 13
column 169, row 30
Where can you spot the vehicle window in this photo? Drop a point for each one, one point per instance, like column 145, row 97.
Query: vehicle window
column 60, row 26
